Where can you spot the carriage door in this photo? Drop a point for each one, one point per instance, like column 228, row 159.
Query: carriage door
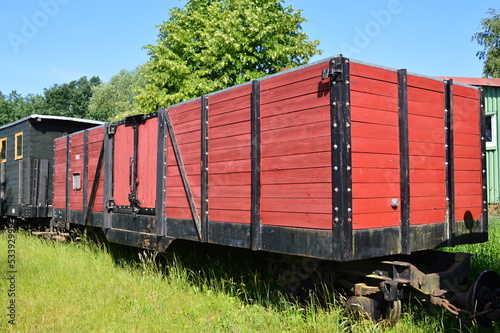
column 134, row 165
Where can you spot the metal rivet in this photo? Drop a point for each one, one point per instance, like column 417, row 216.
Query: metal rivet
column 335, row 146
column 336, row 189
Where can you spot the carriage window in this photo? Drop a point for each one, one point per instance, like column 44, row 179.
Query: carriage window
column 491, row 131
column 76, row 182
column 3, row 150
column 18, row 146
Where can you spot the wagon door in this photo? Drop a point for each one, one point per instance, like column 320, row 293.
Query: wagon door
column 134, row 163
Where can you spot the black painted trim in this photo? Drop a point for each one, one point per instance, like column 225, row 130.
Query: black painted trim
column 108, row 173
column 85, row 173
column 161, row 174
column 404, row 161
column 182, row 171
column 450, row 160
column 68, row 178
column 256, row 230
column 482, row 119
column 204, row 169
column 341, row 158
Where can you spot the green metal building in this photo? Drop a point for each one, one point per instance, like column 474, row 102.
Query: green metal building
column 491, row 89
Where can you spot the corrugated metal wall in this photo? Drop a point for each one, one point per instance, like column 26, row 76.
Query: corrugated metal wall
column 492, row 106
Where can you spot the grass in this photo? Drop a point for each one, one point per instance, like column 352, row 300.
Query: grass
column 88, row 287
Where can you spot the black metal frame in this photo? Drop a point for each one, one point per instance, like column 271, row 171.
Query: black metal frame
column 256, row 229
column 404, row 160
column 450, row 159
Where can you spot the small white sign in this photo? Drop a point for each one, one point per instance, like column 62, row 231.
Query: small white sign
column 77, row 157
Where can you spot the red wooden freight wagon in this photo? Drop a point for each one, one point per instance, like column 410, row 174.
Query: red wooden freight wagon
column 337, row 159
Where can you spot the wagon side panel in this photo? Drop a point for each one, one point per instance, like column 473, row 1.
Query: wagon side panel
column 95, row 169
column 186, row 124
column 229, row 149
column 296, row 162
column 76, row 171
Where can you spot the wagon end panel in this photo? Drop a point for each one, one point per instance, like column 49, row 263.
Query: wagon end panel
column 375, row 147
column 470, row 204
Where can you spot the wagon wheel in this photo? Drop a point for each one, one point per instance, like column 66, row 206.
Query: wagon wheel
column 393, row 311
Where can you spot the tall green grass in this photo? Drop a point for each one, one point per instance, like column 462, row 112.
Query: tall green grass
column 90, row 287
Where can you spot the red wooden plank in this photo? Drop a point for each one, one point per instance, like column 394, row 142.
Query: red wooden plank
column 301, row 161
column 367, row 115
column 270, row 135
column 375, row 175
column 426, row 123
column 301, row 117
column 468, row 164
column 428, row 202
column 230, row 166
column 371, row 86
column 230, row 130
column 294, row 76
column 236, row 203
column 468, row 213
column 467, row 177
column 124, row 145
column 432, row 135
column 372, row 205
column 237, row 141
column 427, row 162
column 429, row 216
column 231, row 117
column 231, row 216
column 381, row 74
column 313, row 190
column 292, row 147
column 464, row 201
column 421, row 107
column 427, row 149
column 298, row 176
column 374, row 160
column 229, row 154
column 429, row 97
column 427, row 176
column 228, row 191
column 375, row 190
column 419, row 189
column 185, row 112
column 366, row 130
column 467, row 152
column 425, row 83
column 243, row 178
column 297, row 205
column 375, row 220
column 469, row 92
column 299, row 220
column 235, row 95
column 464, row 139
column 313, row 87
column 375, row 102
column 373, row 145
column 313, row 100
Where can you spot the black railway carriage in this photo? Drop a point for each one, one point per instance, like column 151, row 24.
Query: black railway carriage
column 26, row 163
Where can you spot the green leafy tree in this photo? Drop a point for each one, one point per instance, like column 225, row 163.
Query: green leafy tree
column 70, row 99
column 115, row 99
column 213, row 44
column 489, row 38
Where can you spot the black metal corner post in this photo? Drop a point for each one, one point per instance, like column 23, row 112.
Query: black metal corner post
column 256, row 224
column 450, row 160
column 85, row 177
column 68, row 178
column 404, row 161
column 161, row 175
column 341, row 158
column 109, row 132
column 204, row 169
column 482, row 119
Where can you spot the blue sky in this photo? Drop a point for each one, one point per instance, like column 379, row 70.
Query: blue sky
column 46, row 42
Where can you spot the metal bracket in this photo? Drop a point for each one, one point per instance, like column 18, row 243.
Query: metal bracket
column 334, row 73
column 110, row 205
column 111, row 129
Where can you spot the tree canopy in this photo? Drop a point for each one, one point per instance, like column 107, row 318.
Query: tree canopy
column 116, row 98
column 489, row 38
column 213, row 44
